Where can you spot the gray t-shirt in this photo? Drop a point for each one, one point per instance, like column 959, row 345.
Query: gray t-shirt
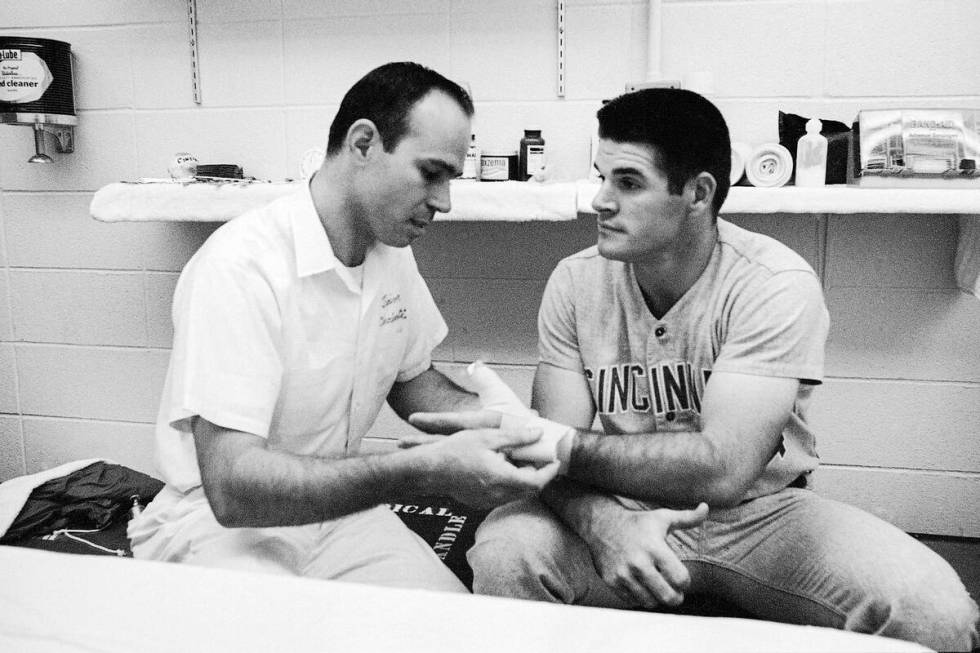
column 757, row 308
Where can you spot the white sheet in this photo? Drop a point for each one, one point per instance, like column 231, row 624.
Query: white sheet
column 55, row 602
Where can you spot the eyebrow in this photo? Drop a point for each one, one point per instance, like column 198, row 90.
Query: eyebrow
column 439, row 163
column 628, row 171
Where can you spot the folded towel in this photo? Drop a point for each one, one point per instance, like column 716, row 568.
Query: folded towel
column 183, row 202
column 219, row 202
column 511, row 201
column 837, row 199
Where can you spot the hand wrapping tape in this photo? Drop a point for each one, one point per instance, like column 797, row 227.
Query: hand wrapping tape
column 497, row 395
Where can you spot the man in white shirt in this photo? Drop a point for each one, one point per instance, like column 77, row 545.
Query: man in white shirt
column 292, row 324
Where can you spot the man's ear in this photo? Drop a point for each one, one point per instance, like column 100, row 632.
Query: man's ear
column 362, row 136
column 703, row 186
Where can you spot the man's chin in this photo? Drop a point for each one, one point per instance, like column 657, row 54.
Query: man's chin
column 607, row 250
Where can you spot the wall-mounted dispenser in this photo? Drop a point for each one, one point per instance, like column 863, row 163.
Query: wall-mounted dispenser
column 36, row 90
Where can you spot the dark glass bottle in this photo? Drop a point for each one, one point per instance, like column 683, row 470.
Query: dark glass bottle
column 530, row 158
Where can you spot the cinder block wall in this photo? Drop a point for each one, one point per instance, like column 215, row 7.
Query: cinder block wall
column 84, row 306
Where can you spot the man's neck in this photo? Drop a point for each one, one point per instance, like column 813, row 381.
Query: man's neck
column 331, row 198
column 663, row 281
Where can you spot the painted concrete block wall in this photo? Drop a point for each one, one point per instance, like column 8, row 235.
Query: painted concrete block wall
column 84, row 306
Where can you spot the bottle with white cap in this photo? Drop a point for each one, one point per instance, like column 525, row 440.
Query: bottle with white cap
column 471, row 164
column 811, row 156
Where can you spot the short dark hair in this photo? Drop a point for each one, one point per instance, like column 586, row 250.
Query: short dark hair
column 688, row 132
column 386, row 96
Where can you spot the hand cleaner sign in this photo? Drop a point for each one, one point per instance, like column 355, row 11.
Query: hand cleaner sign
column 24, row 77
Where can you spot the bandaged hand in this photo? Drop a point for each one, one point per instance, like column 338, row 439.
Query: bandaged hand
column 555, row 442
column 497, row 395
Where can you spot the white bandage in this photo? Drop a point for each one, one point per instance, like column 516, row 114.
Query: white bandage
column 497, row 395
column 555, row 444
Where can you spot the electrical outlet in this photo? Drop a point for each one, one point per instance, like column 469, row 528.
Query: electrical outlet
column 661, row 83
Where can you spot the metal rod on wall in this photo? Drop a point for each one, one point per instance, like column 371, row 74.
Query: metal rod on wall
column 192, row 24
column 561, row 48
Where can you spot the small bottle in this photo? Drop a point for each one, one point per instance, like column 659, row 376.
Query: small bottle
column 530, row 158
column 471, row 164
column 811, row 156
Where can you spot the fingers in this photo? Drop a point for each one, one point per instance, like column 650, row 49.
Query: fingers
column 506, row 439
column 410, row 441
column 687, row 518
column 537, row 478
column 657, row 582
column 672, row 572
column 507, row 483
column 651, row 589
column 451, row 422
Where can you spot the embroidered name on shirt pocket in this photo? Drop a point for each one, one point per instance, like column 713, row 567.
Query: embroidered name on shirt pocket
column 392, row 310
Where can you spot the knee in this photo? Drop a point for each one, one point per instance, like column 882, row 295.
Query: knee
column 509, row 541
column 514, row 554
column 942, row 618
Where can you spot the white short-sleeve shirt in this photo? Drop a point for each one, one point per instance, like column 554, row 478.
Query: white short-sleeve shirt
column 274, row 336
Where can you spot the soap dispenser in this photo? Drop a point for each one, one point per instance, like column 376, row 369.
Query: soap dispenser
column 811, row 156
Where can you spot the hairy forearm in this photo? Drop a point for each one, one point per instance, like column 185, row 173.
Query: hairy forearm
column 264, row 487
column 671, row 469
column 578, row 505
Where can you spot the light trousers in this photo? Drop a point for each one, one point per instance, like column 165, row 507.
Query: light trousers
column 792, row 556
column 372, row 546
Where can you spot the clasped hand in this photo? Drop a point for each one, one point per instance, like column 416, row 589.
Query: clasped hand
column 501, row 408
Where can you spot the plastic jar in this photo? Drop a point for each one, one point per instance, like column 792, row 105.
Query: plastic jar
column 498, row 165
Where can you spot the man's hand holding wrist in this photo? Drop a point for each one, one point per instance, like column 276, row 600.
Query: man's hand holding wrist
column 555, row 444
column 556, row 441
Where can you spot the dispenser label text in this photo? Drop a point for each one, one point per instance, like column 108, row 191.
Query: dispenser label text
column 24, row 77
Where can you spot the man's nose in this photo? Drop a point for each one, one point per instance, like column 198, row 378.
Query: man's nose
column 439, row 199
column 603, row 201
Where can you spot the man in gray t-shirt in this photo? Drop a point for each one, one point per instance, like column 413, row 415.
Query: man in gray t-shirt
column 697, row 344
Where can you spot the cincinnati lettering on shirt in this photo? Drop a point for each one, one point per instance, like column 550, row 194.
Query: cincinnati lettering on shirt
column 667, row 388
column 664, row 388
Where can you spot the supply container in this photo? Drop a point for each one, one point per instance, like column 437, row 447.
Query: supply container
column 36, row 85
column 769, row 166
column 498, row 165
column 36, row 90
column 811, row 156
column 471, row 164
column 531, row 157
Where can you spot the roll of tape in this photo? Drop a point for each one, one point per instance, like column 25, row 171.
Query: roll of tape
column 769, row 166
column 311, row 162
column 740, row 155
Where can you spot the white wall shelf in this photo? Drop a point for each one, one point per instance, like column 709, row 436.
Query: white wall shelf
column 518, row 201
column 220, row 202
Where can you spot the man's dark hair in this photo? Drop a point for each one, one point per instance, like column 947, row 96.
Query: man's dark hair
column 386, row 96
column 688, row 132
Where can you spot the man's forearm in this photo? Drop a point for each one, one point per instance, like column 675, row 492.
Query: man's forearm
column 578, row 505
column 670, row 469
column 264, row 487
column 430, row 391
